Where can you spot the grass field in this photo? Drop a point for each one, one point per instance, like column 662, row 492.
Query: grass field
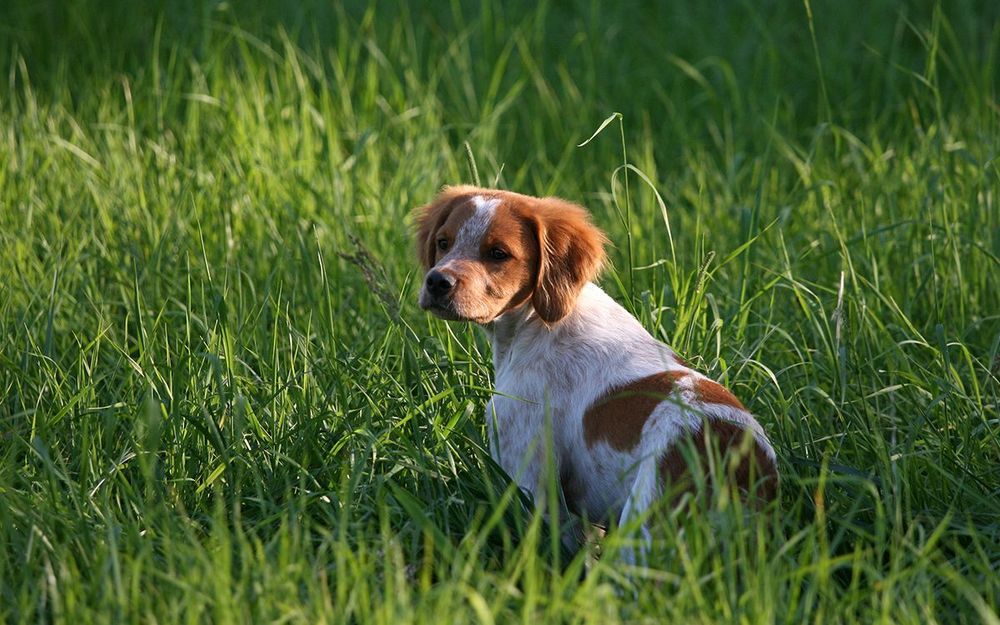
column 219, row 401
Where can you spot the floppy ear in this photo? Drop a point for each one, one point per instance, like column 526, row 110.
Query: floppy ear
column 572, row 252
column 431, row 217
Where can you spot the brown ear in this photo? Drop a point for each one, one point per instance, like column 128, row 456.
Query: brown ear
column 431, row 217
column 572, row 252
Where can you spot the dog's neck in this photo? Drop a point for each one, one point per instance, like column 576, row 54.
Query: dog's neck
column 523, row 324
column 505, row 328
column 596, row 325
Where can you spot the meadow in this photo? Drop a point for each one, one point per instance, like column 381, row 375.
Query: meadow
column 219, row 401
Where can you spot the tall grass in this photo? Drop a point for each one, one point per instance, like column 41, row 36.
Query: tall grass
column 219, row 402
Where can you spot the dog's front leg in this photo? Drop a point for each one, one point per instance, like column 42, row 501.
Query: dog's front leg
column 548, row 491
column 521, row 446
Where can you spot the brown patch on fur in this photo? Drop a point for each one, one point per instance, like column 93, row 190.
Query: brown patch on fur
column 619, row 416
column 572, row 252
column 746, row 465
column 714, row 393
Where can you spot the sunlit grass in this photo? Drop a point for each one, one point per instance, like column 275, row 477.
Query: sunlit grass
column 218, row 400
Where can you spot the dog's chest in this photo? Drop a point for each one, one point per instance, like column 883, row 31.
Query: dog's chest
column 530, row 400
column 539, row 388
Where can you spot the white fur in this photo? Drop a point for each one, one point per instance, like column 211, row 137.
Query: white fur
column 557, row 372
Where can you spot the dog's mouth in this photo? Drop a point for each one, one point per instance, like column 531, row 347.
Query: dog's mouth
column 447, row 312
column 443, row 311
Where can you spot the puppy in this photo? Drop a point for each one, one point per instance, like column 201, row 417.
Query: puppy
column 627, row 415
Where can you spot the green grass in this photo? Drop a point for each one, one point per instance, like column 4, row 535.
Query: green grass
column 219, row 401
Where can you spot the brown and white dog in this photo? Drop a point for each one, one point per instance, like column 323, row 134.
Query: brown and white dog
column 627, row 414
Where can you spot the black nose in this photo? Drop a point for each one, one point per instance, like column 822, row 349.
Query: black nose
column 439, row 284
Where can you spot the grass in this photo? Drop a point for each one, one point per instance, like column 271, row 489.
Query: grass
column 219, row 402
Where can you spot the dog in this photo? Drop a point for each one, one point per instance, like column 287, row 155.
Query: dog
column 620, row 414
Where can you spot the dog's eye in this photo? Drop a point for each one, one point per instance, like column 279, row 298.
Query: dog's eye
column 497, row 253
column 442, row 244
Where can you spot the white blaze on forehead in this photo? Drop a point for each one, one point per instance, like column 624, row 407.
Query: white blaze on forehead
column 471, row 234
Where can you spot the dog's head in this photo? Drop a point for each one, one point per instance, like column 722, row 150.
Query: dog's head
column 487, row 252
